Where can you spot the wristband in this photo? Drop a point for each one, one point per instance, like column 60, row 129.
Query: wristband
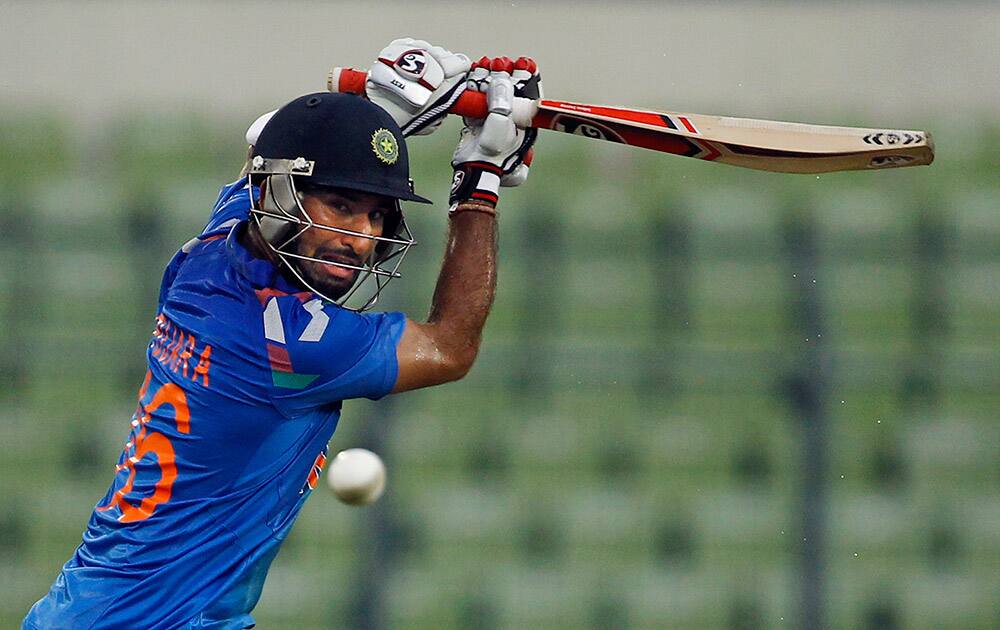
column 475, row 181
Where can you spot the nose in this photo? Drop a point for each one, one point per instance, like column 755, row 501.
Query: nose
column 362, row 224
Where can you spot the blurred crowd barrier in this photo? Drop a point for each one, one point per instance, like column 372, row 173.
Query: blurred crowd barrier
column 707, row 397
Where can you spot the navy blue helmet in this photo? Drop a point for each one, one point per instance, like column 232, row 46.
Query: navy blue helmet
column 340, row 141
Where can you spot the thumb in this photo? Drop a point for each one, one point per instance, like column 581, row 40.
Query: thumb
column 497, row 135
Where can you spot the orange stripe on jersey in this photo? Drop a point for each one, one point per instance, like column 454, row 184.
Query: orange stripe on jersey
column 267, row 293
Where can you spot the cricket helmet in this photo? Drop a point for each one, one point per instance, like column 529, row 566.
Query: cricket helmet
column 341, row 141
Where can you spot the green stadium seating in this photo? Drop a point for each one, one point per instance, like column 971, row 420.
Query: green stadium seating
column 626, row 452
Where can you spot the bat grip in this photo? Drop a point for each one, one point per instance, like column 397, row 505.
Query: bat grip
column 469, row 104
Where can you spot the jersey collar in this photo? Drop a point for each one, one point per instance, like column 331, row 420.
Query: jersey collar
column 259, row 272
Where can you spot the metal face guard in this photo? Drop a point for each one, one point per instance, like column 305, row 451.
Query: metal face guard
column 282, row 219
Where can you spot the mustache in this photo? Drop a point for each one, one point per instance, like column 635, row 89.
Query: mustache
column 343, row 255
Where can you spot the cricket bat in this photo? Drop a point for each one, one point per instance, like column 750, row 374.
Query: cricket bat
column 766, row 145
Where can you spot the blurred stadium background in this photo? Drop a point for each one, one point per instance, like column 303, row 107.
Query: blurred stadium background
column 707, row 398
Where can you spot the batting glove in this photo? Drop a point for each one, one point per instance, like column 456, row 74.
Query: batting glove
column 416, row 83
column 527, row 84
column 494, row 152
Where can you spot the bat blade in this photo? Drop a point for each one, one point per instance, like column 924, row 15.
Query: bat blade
column 782, row 147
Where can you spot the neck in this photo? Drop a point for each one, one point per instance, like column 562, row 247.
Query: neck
column 251, row 239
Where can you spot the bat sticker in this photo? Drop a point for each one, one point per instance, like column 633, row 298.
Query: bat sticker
column 583, row 127
column 882, row 161
column 892, row 138
column 685, row 124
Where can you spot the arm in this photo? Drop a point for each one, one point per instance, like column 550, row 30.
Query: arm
column 444, row 348
column 492, row 152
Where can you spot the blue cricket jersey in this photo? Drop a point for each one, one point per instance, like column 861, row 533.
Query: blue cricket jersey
column 246, row 374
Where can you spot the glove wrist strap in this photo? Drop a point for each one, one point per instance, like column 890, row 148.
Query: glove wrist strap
column 475, row 181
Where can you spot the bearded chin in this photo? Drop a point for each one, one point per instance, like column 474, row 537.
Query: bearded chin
column 315, row 275
column 332, row 287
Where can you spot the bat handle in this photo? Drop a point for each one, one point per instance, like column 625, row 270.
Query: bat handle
column 469, row 104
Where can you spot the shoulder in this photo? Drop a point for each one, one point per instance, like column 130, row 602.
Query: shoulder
column 319, row 352
column 232, row 204
column 235, row 192
column 320, row 336
column 202, row 278
column 305, row 321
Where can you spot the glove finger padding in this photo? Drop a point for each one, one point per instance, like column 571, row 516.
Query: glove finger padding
column 527, row 80
column 527, row 84
column 453, row 64
column 478, row 77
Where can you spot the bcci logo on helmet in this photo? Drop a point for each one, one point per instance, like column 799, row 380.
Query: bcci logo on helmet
column 385, row 146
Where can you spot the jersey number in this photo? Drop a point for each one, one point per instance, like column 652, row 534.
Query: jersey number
column 146, row 443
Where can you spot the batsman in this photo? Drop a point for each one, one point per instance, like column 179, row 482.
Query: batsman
column 263, row 329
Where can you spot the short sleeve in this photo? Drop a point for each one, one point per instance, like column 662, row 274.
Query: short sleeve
column 231, row 207
column 320, row 353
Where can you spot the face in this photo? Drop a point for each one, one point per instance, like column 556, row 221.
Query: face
column 356, row 211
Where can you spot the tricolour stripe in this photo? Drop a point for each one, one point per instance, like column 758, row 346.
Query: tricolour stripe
column 279, row 358
column 292, row 381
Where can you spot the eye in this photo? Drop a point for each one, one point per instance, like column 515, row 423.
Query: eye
column 377, row 215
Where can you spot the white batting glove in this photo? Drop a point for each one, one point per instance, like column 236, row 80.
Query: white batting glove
column 527, row 84
column 416, row 83
column 494, row 152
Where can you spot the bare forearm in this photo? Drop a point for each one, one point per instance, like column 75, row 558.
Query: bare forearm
column 444, row 348
column 466, row 285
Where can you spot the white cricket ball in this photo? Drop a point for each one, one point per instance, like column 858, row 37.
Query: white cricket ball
column 357, row 476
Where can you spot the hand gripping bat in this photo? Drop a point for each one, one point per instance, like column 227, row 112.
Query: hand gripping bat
column 766, row 145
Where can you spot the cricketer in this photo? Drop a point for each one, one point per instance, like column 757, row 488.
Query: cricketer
column 262, row 331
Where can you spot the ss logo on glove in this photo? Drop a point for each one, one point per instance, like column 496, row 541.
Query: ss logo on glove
column 412, row 62
column 456, row 181
column 416, row 83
